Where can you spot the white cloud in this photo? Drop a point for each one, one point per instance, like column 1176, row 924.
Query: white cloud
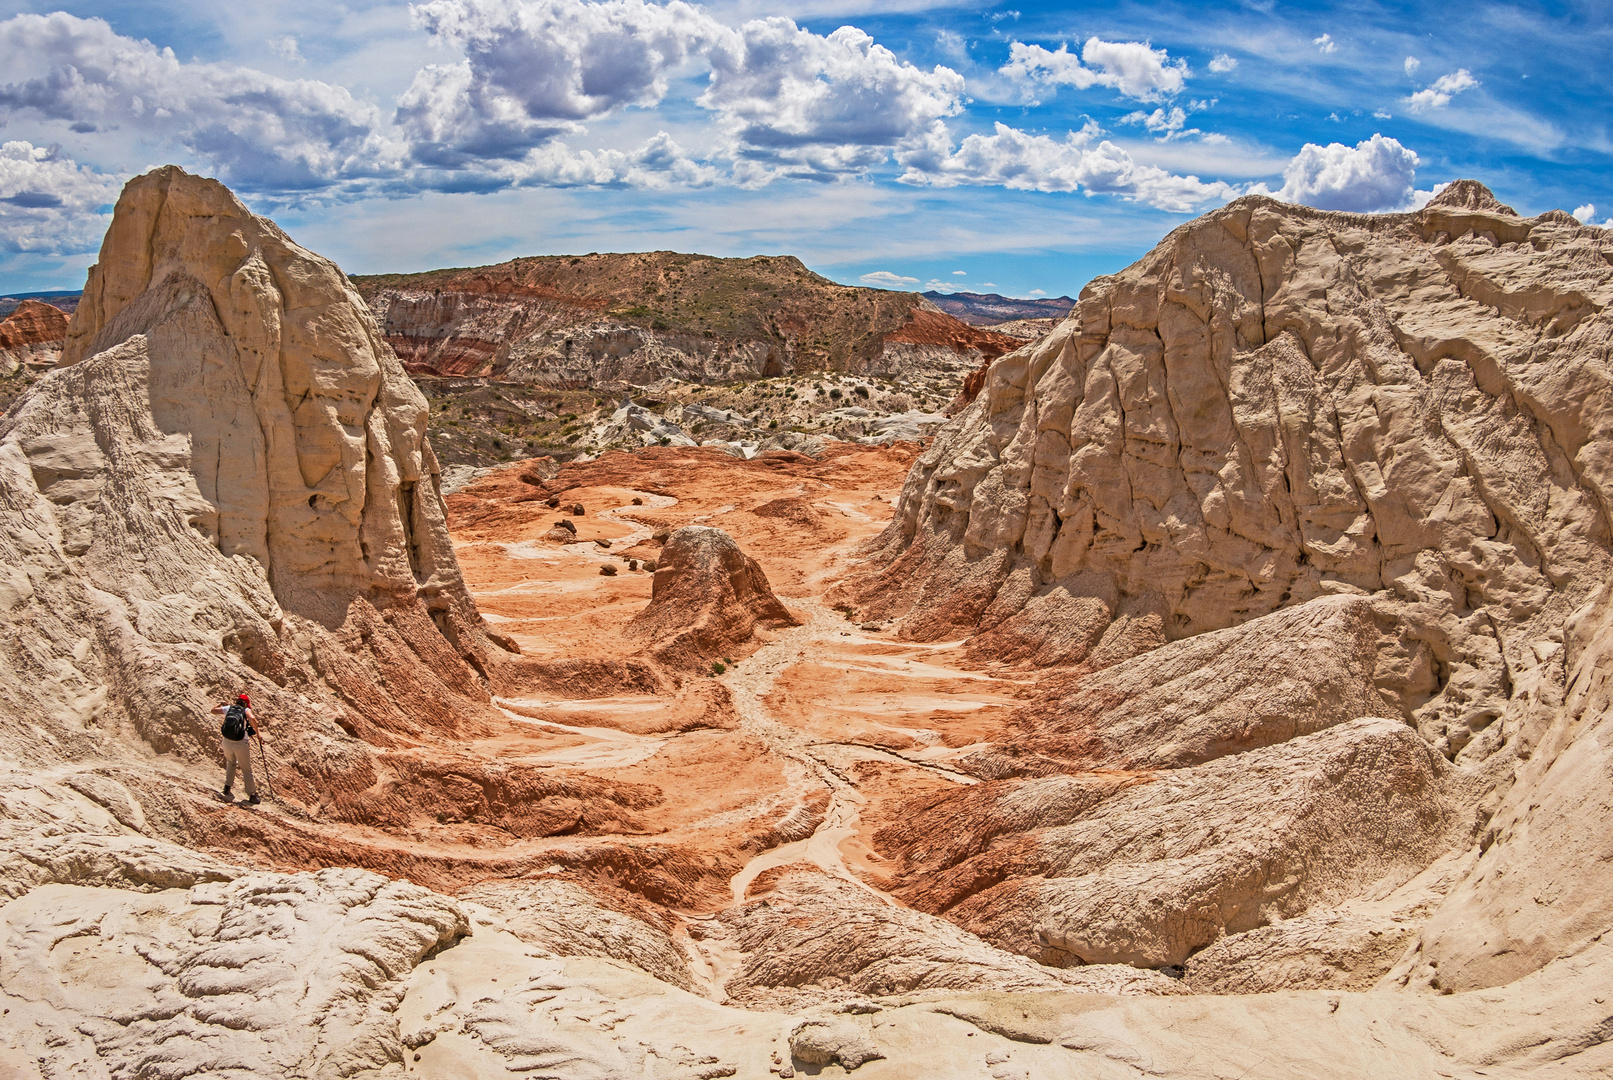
column 960, row 273
column 50, row 203
column 1380, row 114
column 988, row 284
column 795, row 103
column 1325, row 43
column 259, row 131
column 1167, row 124
column 1037, row 292
column 937, row 285
column 1020, row 161
column 534, row 69
column 1133, row 68
column 1412, row 64
column 787, row 101
column 1586, row 214
column 1223, row 63
column 286, row 48
column 1377, row 174
column 885, row 279
column 1445, row 87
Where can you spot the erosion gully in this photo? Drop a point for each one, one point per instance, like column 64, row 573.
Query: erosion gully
column 879, row 690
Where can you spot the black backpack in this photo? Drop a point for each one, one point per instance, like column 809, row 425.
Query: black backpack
column 234, row 727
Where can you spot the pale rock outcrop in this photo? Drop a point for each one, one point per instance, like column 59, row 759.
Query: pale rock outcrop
column 264, row 976
column 815, row 938
column 306, row 437
column 1291, row 673
column 1094, row 872
column 567, row 920
column 1278, row 403
column 707, row 596
column 1305, row 421
column 226, row 484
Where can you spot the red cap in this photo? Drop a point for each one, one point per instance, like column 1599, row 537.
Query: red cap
column 244, row 700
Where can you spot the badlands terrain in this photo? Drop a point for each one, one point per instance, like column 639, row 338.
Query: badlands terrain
column 1222, row 692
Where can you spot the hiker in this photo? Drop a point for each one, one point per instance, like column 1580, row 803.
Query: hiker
column 240, row 725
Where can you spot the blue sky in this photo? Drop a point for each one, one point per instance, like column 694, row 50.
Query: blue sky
column 1011, row 148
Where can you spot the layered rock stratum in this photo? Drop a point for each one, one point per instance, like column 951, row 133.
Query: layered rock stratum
column 597, row 319
column 31, row 336
column 1284, row 759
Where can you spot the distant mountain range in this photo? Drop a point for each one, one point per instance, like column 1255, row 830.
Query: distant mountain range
column 981, row 309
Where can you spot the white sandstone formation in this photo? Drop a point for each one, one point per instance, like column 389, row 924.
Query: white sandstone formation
column 1348, row 465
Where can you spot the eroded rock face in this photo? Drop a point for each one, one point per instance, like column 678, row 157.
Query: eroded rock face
column 225, row 485
column 306, row 436
column 708, row 596
column 1347, row 464
column 1090, row 871
column 1279, row 403
column 266, row 975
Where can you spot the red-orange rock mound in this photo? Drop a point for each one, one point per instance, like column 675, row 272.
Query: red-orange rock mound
column 708, row 596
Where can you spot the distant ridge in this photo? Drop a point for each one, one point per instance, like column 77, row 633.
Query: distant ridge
column 982, row 309
column 65, row 299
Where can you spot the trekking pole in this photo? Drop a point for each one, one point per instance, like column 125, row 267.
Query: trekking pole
column 267, row 778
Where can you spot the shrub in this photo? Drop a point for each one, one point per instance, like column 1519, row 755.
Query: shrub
column 718, row 667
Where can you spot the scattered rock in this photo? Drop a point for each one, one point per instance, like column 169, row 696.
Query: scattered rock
column 607, row 570
column 836, row 1041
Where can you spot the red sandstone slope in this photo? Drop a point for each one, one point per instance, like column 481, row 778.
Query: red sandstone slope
column 34, row 322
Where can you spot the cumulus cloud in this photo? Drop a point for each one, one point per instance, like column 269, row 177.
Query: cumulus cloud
column 1377, row 174
column 50, row 203
column 1132, row 68
column 1168, row 124
column 788, row 101
column 886, row 279
column 1021, row 161
column 1325, row 43
column 796, row 103
column 1586, row 215
column 1223, row 63
column 960, row 273
column 534, row 69
column 259, row 131
column 1412, row 64
column 1445, row 87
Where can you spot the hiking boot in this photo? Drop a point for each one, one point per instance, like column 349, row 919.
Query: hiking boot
column 226, row 796
column 252, row 800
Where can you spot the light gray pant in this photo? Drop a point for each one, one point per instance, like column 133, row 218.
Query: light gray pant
column 239, row 753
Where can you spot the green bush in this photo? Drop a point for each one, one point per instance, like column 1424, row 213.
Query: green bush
column 718, row 667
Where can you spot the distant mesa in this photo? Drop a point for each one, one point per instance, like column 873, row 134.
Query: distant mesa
column 985, row 309
column 633, row 319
